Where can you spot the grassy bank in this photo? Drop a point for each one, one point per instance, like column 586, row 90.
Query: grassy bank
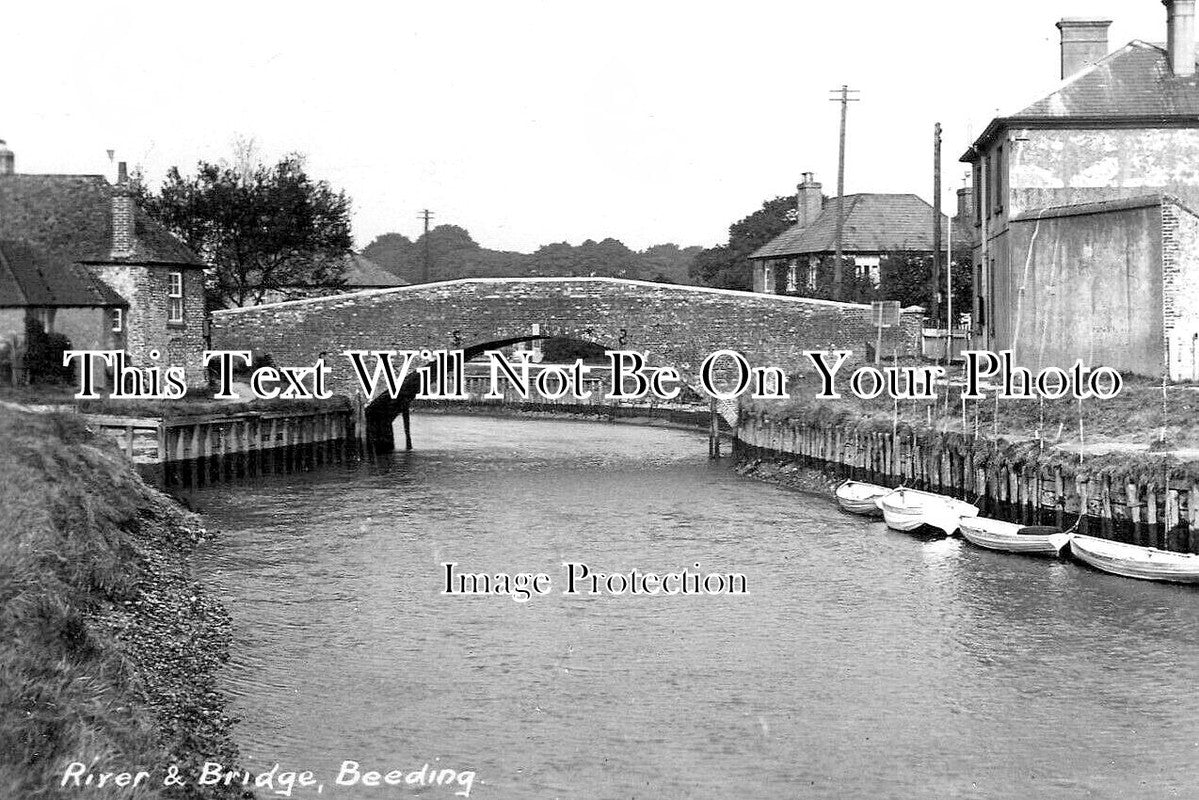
column 108, row 650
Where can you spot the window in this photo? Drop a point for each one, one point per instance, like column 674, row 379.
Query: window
column 978, row 194
column 45, row 317
column 175, row 298
column 998, row 186
column 812, row 266
column 118, row 320
column 988, row 181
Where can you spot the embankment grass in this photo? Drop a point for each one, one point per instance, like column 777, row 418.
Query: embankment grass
column 89, row 558
column 1137, row 416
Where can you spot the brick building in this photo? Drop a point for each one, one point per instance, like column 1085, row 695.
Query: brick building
column 1086, row 209
column 799, row 260
column 88, row 227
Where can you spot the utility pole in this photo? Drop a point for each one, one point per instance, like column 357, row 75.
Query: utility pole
column 935, row 284
column 841, row 96
column 426, row 215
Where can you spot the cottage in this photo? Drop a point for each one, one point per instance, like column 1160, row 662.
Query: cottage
column 1086, row 209
column 799, row 260
column 92, row 242
column 57, row 297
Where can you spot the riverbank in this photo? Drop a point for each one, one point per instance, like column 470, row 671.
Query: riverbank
column 786, row 474
column 1136, row 498
column 108, row 647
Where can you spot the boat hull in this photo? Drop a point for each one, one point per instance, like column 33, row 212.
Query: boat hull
column 911, row 511
column 995, row 534
column 861, row 498
column 1134, row 561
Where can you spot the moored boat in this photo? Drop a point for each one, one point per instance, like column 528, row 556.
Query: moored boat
column 1135, row 561
column 910, row 510
column 858, row 497
column 1009, row 537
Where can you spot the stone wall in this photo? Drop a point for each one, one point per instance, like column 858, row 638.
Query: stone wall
column 677, row 326
column 1180, row 288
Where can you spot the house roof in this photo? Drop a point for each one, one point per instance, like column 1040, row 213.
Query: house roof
column 1133, row 85
column 873, row 223
column 361, row 271
column 70, row 217
column 32, row 277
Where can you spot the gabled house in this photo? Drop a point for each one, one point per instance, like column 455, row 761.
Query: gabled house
column 82, row 225
column 800, row 259
column 1086, row 201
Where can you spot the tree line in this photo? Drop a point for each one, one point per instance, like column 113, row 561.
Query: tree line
column 452, row 253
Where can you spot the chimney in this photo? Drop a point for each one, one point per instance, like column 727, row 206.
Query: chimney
column 809, row 200
column 8, row 161
column 122, row 215
column 1084, row 41
column 1180, row 25
column 966, row 205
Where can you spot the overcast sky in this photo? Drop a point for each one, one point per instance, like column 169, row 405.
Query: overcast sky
column 534, row 122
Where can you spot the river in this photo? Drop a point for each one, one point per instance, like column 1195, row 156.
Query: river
column 862, row 662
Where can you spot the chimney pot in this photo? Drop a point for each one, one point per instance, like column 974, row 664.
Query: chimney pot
column 122, row 174
column 1084, row 41
column 8, row 161
column 1180, row 32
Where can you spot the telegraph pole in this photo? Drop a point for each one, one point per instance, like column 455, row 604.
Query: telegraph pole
column 426, row 215
column 841, row 96
column 935, row 284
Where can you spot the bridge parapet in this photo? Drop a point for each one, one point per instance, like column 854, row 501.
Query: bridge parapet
column 675, row 325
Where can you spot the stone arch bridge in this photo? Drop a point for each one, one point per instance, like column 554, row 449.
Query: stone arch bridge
column 674, row 325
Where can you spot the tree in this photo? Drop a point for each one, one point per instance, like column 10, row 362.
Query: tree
column 259, row 228
column 903, row 275
column 395, row 253
column 667, row 263
column 727, row 266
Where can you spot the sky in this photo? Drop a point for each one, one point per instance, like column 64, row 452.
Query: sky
column 529, row 121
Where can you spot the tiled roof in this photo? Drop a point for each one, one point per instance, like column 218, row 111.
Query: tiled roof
column 362, row 272
column 1134, row 81
column 873, row 223
column 1133, row 84
column 70, row 216
column 31, row 277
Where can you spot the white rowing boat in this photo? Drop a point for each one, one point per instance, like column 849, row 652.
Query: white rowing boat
column 909, row 510
column 1135, row 561
column 858, row 497
column 1009, row 537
